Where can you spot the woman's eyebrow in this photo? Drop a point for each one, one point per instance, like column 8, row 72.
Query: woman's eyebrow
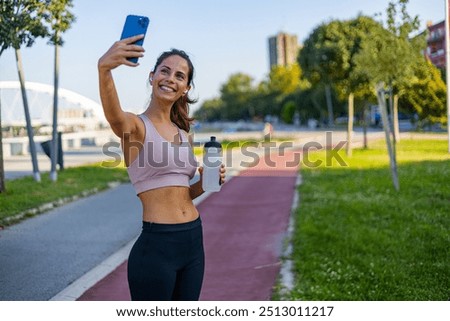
column 178, row 71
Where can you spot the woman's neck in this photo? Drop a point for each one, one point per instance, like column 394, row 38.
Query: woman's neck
column 159, row 111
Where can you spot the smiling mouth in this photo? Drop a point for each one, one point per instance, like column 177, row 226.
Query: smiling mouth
column 167, row 89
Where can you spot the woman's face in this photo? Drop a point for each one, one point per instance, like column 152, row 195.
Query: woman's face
column 170, row 80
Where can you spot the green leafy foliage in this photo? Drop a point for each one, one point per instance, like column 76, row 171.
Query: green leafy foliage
column 389, row 55
column 20, row 23
column 425, row 94
column 286, row 80
column 58, row 18
column 236, row 95
column 287, row 114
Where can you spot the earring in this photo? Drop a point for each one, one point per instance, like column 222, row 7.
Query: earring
column 185, row 92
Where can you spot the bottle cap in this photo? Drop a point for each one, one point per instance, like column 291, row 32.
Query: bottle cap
column 213, row 143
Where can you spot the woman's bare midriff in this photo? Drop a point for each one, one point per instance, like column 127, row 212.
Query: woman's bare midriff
column 169, row 205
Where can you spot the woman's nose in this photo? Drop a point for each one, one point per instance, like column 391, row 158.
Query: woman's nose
column 170, row 77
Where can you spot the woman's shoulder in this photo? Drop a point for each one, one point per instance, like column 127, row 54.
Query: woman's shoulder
column 189, row 135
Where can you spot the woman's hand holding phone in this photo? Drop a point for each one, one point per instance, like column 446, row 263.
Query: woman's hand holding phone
column 129, row 48
column 120, row 52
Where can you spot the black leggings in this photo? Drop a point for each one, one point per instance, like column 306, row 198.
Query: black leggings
column 167, row 262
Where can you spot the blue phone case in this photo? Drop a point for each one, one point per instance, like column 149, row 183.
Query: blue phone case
column 135, row 25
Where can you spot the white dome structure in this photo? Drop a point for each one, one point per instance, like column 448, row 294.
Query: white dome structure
column 74, row 110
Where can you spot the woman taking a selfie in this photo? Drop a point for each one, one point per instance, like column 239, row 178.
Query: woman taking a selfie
column 167, row 260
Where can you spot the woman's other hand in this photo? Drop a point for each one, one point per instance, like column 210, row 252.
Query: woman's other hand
column 223, row 170
column 222, row 174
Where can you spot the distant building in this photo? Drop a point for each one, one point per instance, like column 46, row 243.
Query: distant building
column 436, row 44
column 283, row 49
column 75, row 112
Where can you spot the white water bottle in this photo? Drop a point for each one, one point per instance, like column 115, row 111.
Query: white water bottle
column 212, row 161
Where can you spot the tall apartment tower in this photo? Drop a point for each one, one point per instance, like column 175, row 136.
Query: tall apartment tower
column 283, row 49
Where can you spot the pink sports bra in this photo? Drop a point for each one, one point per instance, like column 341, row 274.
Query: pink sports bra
column 161, row 163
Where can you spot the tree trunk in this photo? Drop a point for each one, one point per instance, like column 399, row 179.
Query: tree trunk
column 365, row 115
column 384, row 116
column 395, row 116
column 36, row 174
column 54, row 149
column 350, row 124
column 329, row 105
column 392, row 122
column 2, row 168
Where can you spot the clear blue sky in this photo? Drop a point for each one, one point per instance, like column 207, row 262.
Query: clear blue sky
column 222, row 37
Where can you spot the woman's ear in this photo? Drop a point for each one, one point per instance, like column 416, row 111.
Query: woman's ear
column 150, row 78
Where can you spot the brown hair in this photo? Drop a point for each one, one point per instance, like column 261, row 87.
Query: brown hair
column 179, row 114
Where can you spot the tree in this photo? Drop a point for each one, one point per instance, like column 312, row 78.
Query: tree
column 325, row 58
column 285, row 80
column 235, row 102
column 57, row 15
column 240, row 99
column 426, row 93
column 264, row 101
column 288, row 111
column 388, row 57
column 21, row 25
column 402, row 27
column 210, row 110
column 354, row 84
column 236, row 95
column 308, row 103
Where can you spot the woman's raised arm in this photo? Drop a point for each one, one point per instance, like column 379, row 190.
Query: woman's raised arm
column 121, row 122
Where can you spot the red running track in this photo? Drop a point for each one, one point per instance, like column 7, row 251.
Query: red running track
column 244, row 226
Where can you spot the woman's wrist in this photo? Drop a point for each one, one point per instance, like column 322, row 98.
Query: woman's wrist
column 102, row 69
column 200, row 187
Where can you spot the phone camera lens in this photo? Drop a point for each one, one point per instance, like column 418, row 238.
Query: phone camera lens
column 143, row 22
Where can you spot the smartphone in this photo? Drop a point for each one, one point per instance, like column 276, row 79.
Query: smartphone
column 135, row 25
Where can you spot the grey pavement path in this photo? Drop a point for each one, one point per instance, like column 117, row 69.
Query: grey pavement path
column 42, row 255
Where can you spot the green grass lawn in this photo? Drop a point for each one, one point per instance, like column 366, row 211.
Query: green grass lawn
column 356, row 238
column 24, row 193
